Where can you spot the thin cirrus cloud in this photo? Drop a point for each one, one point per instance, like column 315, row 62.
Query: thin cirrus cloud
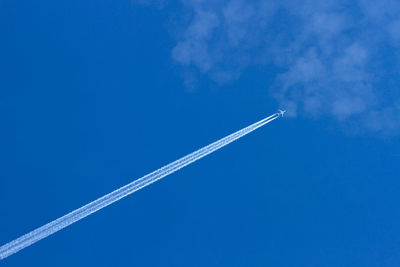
column 333, row 58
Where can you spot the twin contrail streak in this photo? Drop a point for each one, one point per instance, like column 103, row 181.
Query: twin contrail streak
column 78, row 214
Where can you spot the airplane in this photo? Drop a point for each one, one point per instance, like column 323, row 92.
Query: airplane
column 281, row 112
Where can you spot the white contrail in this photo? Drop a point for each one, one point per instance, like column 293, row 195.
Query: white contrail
column 78, row 214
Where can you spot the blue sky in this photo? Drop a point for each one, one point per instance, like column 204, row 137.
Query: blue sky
column 96, row 94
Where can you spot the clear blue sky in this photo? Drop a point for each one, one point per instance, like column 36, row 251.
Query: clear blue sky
column 94, row 94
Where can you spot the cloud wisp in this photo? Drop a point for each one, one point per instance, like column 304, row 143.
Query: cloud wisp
column 332, row 58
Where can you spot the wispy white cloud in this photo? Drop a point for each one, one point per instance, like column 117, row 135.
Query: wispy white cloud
column 337, row 58
column 193, row 49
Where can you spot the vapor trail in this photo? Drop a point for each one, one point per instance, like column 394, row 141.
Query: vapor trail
column 78, row 214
